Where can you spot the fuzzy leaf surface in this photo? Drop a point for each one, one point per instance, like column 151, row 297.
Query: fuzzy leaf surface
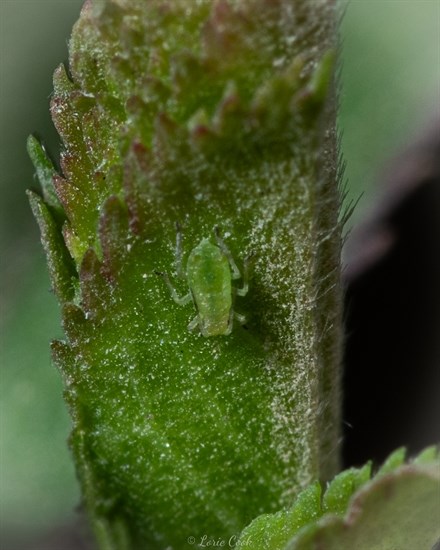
column 203, row 114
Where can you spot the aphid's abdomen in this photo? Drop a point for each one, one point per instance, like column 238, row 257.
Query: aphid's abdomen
column 214, row 314
column 209, row 278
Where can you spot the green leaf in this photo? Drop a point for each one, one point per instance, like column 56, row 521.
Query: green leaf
column 397, row 510
column 427, row 456
column 273, row 531
column 341, row 489
column 320, row 80
column 61, row 269
column 45, row 172
column 205, row 114
column 396, row 459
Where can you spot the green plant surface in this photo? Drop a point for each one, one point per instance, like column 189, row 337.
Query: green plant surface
column 205, row 115
column 380, row 39
column 398, row 510
column 398, row 507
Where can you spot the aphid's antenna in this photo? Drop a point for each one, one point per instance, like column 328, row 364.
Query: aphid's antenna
column 178, row 253
column 246, row 263
column 235, row 271
column 181, row 300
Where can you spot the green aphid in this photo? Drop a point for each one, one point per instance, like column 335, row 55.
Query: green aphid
column 210, row 270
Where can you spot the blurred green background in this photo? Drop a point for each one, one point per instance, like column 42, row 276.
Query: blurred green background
column 37, row 481
column 391, row 90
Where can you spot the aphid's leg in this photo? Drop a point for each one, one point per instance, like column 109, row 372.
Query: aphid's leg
column 181, row 300
column 240, row 318
column 178, row 251
column 222, row 245
column 194, row 323
column 230, row 322
column 244, row 289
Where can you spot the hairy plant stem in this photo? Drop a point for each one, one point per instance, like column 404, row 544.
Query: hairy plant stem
column 205, row 114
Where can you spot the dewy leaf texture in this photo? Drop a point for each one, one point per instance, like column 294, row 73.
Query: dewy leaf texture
column 205, row 114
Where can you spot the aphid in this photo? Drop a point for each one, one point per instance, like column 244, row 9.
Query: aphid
column 210, row 270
